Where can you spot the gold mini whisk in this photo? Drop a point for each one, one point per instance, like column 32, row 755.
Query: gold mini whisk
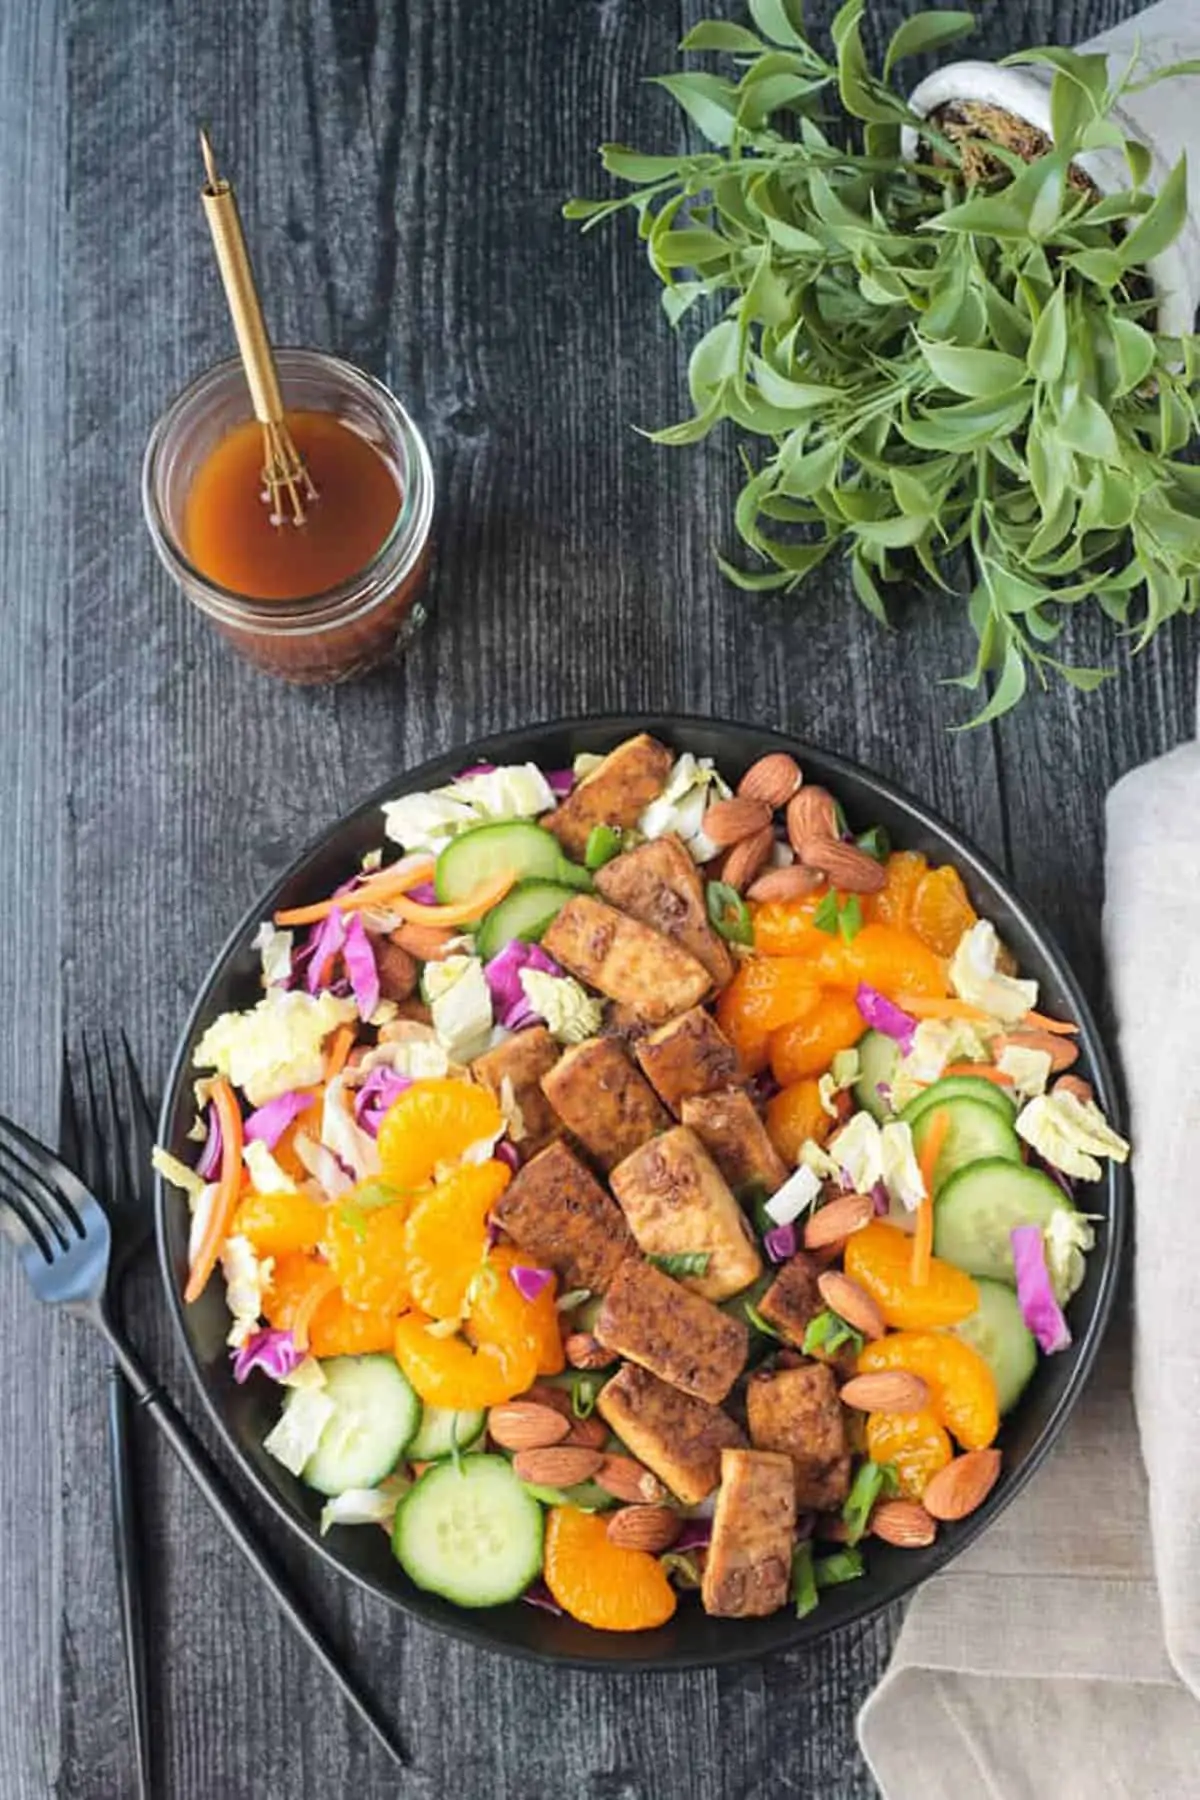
column 283, row 472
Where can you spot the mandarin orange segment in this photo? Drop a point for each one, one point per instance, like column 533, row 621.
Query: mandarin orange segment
column 600, row 1583
column 766, row 992
column 892, row 905
column 447, row 1371
column 794, row 1114
column 277, row 1223
column 500, row 1313
column 339, row 1329
column 941, row 911
column 293, row 1278
column 913, row 1442
column 785, row 927
column 446, row 1235
column 808, row 1046
column 962, row 1387
column 365, row 1243
column 432, row 1123
column 879, row 1258
column 895, row 962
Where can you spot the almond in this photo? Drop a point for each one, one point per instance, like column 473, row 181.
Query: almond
column 904, row 1523
column 558, row 1465
column 729, row 821
column 812, row 813
column 590, row 1434
column 854, row 1303
column 849, row 1212
column 1075, row 1084
column 429, row 943
column 397, row 969
column 1062, row 1051
column 524, row 1425
column 844, row 866
column 626, row 1479
column 785, row 884
column 583, row 1351
column 962, row 1485
column 772, row 779
column 544, row 1395
column 747, row 859
column 886, row 1391
column 650, row 1528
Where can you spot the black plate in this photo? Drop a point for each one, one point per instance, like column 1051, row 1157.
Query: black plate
column 244, row 1415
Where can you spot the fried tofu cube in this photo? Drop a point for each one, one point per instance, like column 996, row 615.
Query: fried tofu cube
column 676, row 1200
column 689, row 1055
column 602, row 1100
column 653, row 1321
column 523, row 1061
column 625, row 960
column 678, row 1437
column 748, row 1569
column 797, row 1412
column 558, row 1213
column 793, row 1299
column 659, row 884
column 617, row 793
column 730, row 1129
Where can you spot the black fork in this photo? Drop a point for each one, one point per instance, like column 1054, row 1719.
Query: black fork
column 65, row 1244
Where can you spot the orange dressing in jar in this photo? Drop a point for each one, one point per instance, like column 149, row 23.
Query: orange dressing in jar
column 228, row 532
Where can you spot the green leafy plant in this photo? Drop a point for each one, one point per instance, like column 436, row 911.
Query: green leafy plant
column 933, row 357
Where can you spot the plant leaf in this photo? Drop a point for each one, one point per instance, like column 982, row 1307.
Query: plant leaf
column 719, row 34
column 632, row 165
column 779, row 20
column 858, row 95
column 1162, row 224
column 864, row 585
column 1047, row 352
column 991, row 217
column 1134, row 353
column 926, row 31
column 1086, row 427
column 1009, row 689
column 978, row 374
column 708, row 100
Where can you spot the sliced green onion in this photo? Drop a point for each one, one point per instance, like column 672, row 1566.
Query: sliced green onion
column 875, row 843
column 825, row 918
column 873, row 1481
column 804, row 1585
column 683, row 1262
column 756, row 1319
column 850, row 919
column 843, row 1565
column 604, row 842
column 729, row 913
column 828, row 1331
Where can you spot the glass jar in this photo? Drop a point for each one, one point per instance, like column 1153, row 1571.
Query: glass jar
column 347, row 629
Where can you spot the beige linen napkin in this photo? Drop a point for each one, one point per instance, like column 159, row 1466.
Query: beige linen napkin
column 1060, row 1658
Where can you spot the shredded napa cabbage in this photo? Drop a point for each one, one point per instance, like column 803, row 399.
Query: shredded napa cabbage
column 794, row 1197
column 1028, row 1068
column 177, row 1173
column 431, row 821
column 901, row 1171
column 247, row 1278
column 1068, row 1238
column 1070, row 1134
column 975, row 977
column 295, row 1436
column 275, row 950
column 265, row 1172
column 857, row 1151
column 842, row 1074
column 691, row 788
column 276, row 1045
column 570, row 1012
column 461, row 1003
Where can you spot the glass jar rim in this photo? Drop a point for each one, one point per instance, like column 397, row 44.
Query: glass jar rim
column 407, row 534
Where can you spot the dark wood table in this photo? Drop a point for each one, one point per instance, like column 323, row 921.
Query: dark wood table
column 401, row 169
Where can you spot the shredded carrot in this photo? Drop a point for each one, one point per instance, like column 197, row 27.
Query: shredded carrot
column 984, row 1071
column 1059, row 1027
column 472, row 906
column 920, row 1006
column 229, row 1189
column 379, row 891
column 340, row 1046
column 309, row 1302
column 931, row 1149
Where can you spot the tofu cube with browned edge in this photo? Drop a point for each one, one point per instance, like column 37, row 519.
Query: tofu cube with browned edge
column 677, row 1201
column 793, row 1299
column 655, row 1322
column 678, row 1437
column 616, row 793
column 522, row 1061
column 603, row 1101
column 689, row 1055
column 730, row 1129
column 558, row 1213
column 797, row 1412
column 747, row 1572
column 625, row 960
column 659, row 884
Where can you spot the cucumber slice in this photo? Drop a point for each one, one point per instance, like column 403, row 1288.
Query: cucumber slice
column 1003, row 1339
column 442, row 1430
column 878, row 1056
column 487, row 850
column 975, row 1133
column 469, row 1532
column 959, row 1087
column 375, row 1415
column 524, row 913
column 977, row 1209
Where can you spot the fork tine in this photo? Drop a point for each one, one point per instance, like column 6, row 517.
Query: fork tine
column 30, row 1159
column 93, row 1147
column 141, row 1113
column 129, row 1127
column 30, row 1227
column 68, row 1111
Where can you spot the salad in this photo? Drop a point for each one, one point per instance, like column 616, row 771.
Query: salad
column 634, row 1185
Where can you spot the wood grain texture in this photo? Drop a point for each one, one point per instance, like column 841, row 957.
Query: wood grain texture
column 400, row 169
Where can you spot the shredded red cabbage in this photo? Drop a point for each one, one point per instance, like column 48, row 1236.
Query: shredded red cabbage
column 425, row 894
column 269, row 1123
column 882, row 1199
column 361, row 967
column 328, row 939
column 560, row 782
column 882, row 1014
column 376, row 1094
column 780, row 1242
column 539, row 1595
column 209, row 1165
column 506, row 1152
column 274, row 1352
column 530, row 1282
column 696, row 1534
column 1039, row 1309
column 503, row 976
column 475, row 769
